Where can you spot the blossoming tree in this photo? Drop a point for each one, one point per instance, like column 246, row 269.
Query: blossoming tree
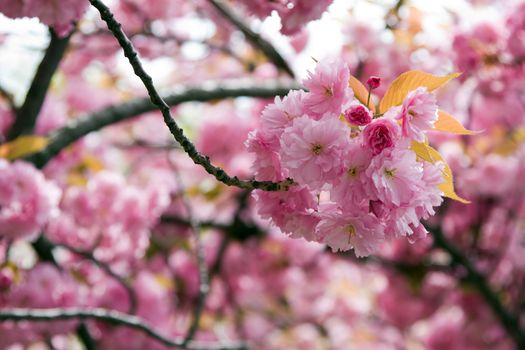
column 195, row 175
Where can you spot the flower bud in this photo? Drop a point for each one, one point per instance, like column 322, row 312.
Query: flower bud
column 358, row 115
column 373, row 82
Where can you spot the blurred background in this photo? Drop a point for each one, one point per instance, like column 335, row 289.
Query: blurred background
column 121, row 219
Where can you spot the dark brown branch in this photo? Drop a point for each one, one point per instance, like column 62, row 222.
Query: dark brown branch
column 480, row 283
column 208, row 91
column 27, row 114
column 265, row 46
column 112, row 317
column 130, row 52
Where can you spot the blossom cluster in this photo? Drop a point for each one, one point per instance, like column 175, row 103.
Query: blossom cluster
column 359, row 182
column 57, row 14
column 293, row 13
column 27, row 200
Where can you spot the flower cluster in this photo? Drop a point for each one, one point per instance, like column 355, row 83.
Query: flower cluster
column 359, row 181
column 27, row 200
column 294, row 13
column 57, row 14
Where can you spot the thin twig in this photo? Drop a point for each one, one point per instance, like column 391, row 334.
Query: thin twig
column 104, row 267
column 265, row 46
column 27, row 114
column 204, row 279
column 110, row 316
column 479, row 281
column 130, row 52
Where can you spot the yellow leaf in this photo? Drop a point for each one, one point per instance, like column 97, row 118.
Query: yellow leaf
column 429, row 154
column 76, row 179
column 92, row 163
column 164, row 281
column 361, row 93
column 448, row 123
column 409, row 81
column 421, row 150
column 23, row 146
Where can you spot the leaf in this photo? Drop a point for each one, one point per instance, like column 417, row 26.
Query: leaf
column 408, row 81
column 429, row 154
column 448, row 123
column 361, row 93
column 77, row 175
column 23, row 146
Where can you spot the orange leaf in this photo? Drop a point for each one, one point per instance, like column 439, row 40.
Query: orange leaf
column 429, row 154
column 408, row 81
column 448, row 123
column 23, row 146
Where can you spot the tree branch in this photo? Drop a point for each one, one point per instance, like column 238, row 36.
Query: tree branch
column 265, row 46
column 110, row 316
column 27, row 114
column 130, row 52
column 209, row 91
column 478, row 281
column 85, row 337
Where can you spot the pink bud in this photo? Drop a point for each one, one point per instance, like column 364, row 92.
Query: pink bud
column 373, row 82
column 6, row 278
column 358, row 115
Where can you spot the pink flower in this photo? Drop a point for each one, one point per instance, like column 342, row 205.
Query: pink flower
column 27, row 200
column 280, row 114
column 350, row 191
column 381, row 134
column 291, row 211
column 328, row 87
column 6, row 120
column 358, row 114
column 418, row 114
column 395, row 177
column 110, row 213
column 342, row 231
column 294, row 18
column 267, row 164
column 7, row 277
column 313, row 151
column 58, row 14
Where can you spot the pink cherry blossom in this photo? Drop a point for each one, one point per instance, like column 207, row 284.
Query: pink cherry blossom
column 344, row 230
column 280, row 114
column 27, row 200
column 312, row 150
column 351, row 187
column 358, row 114
column 267, row 165
column 57, row 14
column 328, row 87
column 291, row 211
column 381, row 134
column 395, row 177
column 418, row 114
